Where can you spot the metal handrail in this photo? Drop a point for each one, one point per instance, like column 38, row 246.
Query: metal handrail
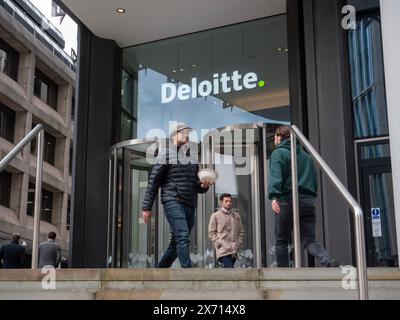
column 39, row 132
column 357, row 211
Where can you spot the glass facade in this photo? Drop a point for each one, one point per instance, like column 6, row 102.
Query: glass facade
column 371, row 134
column 234, row 77
column 367, row 78
column 226, row 76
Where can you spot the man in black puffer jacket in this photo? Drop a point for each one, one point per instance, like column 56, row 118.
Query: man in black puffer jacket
column 179, row 182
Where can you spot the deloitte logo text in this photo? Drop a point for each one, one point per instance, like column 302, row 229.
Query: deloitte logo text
column 220, row 84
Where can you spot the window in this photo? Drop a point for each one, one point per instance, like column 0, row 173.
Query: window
column 71, row 157
column 47, row 203
column 69, row 212
column 5, row 188
column 49, row 148
column 367, row 77
column 128, row 109
column 127, row 92
column 375, row 151
column 9, row 59
column 73, row 106
column 128, row 126
column 45, row 89
column 7, row 123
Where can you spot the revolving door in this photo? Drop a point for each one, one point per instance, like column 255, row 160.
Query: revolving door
column 240, row 156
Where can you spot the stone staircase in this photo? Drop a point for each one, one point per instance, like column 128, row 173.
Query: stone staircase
column 198, row 284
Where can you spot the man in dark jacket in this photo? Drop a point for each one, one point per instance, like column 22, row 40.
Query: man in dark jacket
column 280, row 192
column 180, row 185
column 12, row 255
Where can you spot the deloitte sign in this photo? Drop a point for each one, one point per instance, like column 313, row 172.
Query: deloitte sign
column 220, row 84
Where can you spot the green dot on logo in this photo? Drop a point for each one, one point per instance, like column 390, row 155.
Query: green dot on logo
column 261, row 84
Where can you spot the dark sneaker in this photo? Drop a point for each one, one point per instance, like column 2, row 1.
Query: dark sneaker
column 332, row 264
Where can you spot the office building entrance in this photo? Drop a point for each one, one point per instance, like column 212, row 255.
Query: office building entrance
column 240, row 156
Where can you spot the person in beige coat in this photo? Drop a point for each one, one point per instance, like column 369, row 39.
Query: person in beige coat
column 225, row 230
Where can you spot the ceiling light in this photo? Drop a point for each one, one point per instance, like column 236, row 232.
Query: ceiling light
column 120, row 10
column 174, row 71
column 181, row 69
column 282, row 50
column 194, row 65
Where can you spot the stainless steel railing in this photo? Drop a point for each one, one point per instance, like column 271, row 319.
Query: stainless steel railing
column 39, row 132
column 357, row 211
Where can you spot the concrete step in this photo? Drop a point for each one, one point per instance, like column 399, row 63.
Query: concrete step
column 200, row 284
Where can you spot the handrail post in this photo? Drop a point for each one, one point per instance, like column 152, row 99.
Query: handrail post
column 361, row 255
column 38, row 199
column 295, row 202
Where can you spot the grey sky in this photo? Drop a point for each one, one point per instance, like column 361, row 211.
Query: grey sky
column 68, row 27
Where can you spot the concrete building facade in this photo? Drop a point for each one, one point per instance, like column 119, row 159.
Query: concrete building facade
column 37, row 83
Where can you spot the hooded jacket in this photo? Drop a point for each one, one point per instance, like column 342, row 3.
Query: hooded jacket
column 280, row 177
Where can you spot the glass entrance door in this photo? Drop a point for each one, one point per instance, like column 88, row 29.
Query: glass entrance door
column 131, row 242
column 376, row 195
column 380, row 222
column 239, row 154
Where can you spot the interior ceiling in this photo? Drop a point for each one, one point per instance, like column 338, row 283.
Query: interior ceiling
column 151, row 20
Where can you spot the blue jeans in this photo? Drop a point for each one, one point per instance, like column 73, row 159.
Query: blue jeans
column 227, row 261
column 181, row 220
column 283, row 229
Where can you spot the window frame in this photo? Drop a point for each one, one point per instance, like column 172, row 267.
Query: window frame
column 12, row 60
column 7, row 123
column 5, row 191
column 52, row 89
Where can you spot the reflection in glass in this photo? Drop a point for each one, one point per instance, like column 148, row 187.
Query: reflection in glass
column 240, row 189
column 141, row 245
column 236, row 52
column 128, row 107
column 196, row 67
column 375, row 151
column 367, row 79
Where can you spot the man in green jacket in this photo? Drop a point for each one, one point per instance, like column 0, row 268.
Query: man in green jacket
column 280, row 192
